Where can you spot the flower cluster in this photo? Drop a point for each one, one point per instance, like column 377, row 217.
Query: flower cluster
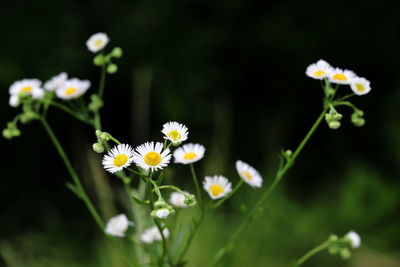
column 151, row 157
column 323, row 70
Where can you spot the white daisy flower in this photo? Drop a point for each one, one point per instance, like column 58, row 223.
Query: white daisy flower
column 178, row 199
column 118, row 158
column 175, row 132
column 249, row 174
column 73, row 88
column 189, row 153
column 97, row 41
column 56, row 82
column 152, row 234
column 14, row 101
column 150, row 156
column 25, row 86
column 217, row 186
column 319, row 70
column 340, row 76
column 360, row 86
column 354, row 238
column 118, row 225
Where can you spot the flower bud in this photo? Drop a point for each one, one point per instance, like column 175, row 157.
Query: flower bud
column 159, row 204
column 345, row 253
column 96, row 103
column 357, row 119
column 190, row 200
column 116, row 52
column 112, row 68
column 288, row 153
column 334, row 124
column 7, row 133
column 99, row 60
column 102, row 136
column 337, row 116
column 98, row 148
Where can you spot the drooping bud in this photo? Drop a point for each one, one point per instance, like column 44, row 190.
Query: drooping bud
column 98, row 147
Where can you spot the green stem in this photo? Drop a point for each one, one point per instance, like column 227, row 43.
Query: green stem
column 102, row 81
column 311, row 253
column 97, row 119
column 164, row 240
column 71, row 112
column 196, row 224
column 82, row 193
column 196, row 182
column 219, row 203
column 345, row 103
column 257, row 207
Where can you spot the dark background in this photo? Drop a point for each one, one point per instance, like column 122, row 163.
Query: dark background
column 233, row 72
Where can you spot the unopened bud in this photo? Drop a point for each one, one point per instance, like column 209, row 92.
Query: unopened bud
column 112, row 68
column 345, row 253
column 190, row 200
column 99, row 60
column 98, row 148
column 116, row 52
column 334, row 124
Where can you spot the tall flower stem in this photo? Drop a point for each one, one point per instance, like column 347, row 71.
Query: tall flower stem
column 97, row 119
column 80, row 189
column 160, row 228
column 196, row 183
column 312, row 252
column 257, row 207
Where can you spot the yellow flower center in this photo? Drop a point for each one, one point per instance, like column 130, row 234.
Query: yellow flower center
column 26, row 89
column 216, row 190
column 152, row 158
column 190, row 155
column 360, row 87
column 247, row 175
column 319, row 73
column 120, row 160
column 70, row 90
column 174, row 135
column 339, row 77
column 98, row 43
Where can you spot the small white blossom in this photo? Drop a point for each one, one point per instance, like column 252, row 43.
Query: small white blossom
column 152, row 234
column 37, row 93
column 118, row 225
column 14, row 101
column 189, row 153
column 24, row 87
column 175, row 132
column 319, row 70
column 354, row 238
column 118, row 158
column 163, row 213
column 56, row 82
column 97, row 41
column 360, row 86
column 178, row 199
column 249, row 174
column 340, row 76
column 217, row 186
column 73, row 88
column 151, row 156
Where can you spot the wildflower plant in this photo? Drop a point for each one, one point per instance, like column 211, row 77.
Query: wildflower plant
column 141, row 170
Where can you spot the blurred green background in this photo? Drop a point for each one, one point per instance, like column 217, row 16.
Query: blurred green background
column 233, row 72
